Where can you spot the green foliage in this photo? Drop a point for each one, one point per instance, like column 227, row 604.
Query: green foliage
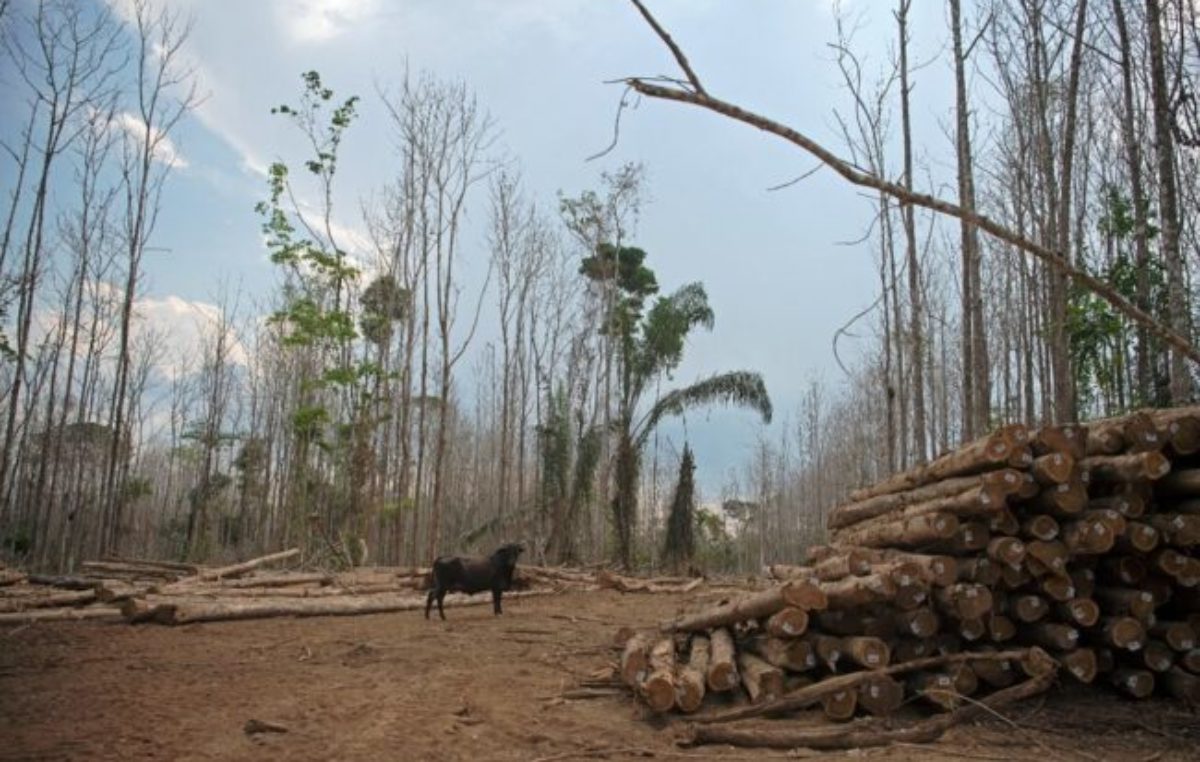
column 384, row 304
column 395, row 510
column 17, row 540
column 554, row 441
column 309, row 421
column 135, row 488
column 1098, row 335
column 742, row 388
column 649, row 346
column 621, row 269
column 667, row 326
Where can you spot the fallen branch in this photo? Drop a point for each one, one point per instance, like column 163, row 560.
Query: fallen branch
column 826, row 738
column 235, row 570
column 62, row 615
column 1038, row 662
column 696, row 95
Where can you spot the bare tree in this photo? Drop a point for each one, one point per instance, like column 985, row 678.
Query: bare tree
column 163, row 96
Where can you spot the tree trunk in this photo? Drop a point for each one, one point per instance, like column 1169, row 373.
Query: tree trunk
column 1168, row 199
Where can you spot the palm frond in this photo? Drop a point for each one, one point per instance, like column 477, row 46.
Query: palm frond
column 667, row 326
column 741, row 388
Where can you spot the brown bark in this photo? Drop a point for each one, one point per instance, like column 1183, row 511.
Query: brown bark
column 964, row 601
column 1060, row 637
column 935, row 570
column 1144, row 466
column 1123, row 632
column 881, row 695
column 47, row 601
column 1006, row 550
column 986, row 454
column 635, row 658
column 236, row 570
column 1048, row 556
column 1080, row 664
column 1183, row 685
column 1035, row 660
column 280, row 580
column 1139, row 537
column 789, row 622
column 114, row 569
column 1069, row 439
column 1028, row 608
column 799, row 594
column 1052, row 468
column 1006, row 480
column 905, row 533
column 101, row 613
column 1136, row 432
column 855, row 176
column 1088, row 537
column 763, row 682
column 919, row 623
column 858, row 591
column 924, row 731
column 722, row 668
column 11, row 577
column 1182, row 483
column 867, row 652
column 839, row 706
column 1168, row 202
column 690, row 681
column 1083, row 612
column 1179, row 428
column 795, row 655
column 658, row 687
column 182, row 610
column 1180, row 636
column 1040, row 527
column 1066, row 499
column 1178, row 529
column 1138, row 683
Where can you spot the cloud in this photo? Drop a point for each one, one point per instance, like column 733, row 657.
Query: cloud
column 319, row 21
column 187, row 327
column 162, row 148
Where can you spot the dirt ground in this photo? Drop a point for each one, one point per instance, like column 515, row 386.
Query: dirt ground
column 478, row 687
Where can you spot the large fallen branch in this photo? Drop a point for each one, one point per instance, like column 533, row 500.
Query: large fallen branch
column 179, row 610
column 696, row 95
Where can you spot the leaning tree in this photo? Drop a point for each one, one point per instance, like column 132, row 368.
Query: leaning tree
column 649, row 345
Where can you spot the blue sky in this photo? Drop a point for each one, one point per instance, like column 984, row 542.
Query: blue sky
column 778, row 279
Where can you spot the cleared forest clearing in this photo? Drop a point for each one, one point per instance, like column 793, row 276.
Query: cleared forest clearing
column 394, row 686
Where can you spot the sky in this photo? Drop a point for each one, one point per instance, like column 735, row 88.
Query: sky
column 779, row 275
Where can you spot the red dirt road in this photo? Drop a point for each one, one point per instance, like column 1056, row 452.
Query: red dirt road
column 395, row 687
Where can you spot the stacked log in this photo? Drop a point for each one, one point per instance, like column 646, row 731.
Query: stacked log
column 1092, row 556
column 1078, row 543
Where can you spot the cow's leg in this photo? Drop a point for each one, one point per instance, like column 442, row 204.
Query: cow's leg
column 440, row 596
column 429, row 600
column 496, row 601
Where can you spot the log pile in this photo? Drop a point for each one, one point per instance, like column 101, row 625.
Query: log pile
column 165, row 592
column 963, row 578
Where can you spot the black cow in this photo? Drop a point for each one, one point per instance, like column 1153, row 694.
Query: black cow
column 473, row 575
